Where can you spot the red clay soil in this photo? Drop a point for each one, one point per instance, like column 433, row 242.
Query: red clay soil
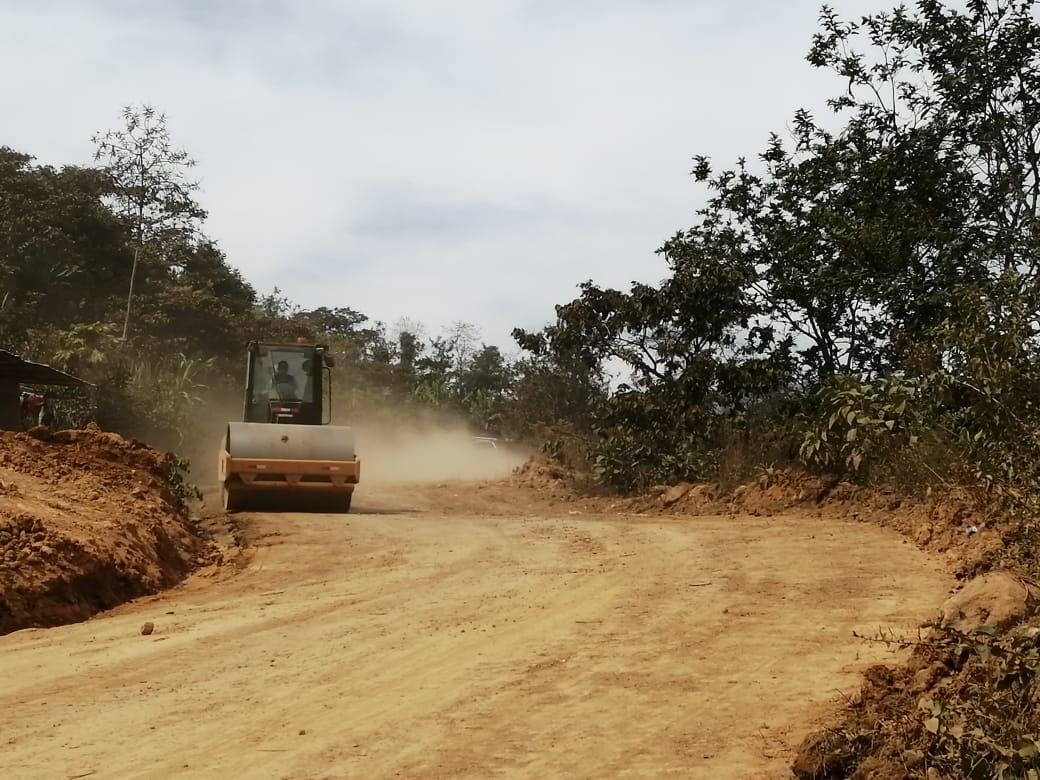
column 944, row 522
column 88, row 520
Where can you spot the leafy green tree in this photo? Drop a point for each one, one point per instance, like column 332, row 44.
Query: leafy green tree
column 901, row 245
column 86, row 349
column 150, row 190
column 486, row 372
column 410, row 349
column 61, row 250
column 205, row 310
column 340, row 321
column 953, row 91
column 435, row 364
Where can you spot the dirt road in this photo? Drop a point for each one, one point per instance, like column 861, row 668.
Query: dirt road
column 465, row 632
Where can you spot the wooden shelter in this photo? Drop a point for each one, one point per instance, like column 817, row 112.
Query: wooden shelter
column 16, row 371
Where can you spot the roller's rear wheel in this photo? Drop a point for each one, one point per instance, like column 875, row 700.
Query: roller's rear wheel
column 344, row 503
column 231, row 501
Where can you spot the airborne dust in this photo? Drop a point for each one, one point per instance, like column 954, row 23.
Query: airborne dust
column 394, row 445
column 409, row 452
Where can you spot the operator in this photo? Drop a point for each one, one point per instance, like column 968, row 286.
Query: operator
column 284, row 383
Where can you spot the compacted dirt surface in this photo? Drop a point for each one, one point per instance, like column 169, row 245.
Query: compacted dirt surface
column 472, row 630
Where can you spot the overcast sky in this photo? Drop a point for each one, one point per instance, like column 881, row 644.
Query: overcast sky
column 438, row 160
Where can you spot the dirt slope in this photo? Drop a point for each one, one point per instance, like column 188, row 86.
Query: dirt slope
column 87, row 521
column 472, row 631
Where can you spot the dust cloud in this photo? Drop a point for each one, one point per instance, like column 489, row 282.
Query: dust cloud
column 408, row 452
column 202, row 438
column 394, row 445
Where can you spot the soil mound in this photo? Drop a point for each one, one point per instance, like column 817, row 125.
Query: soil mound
column 963, row 699
column 542, row 474
column 948, row 522
column 88, row 520
column 998, row 599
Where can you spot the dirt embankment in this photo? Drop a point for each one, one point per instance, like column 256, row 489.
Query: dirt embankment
column 946, row 523
column 88, row 520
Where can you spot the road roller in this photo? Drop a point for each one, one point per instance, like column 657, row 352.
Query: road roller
column 286, row 452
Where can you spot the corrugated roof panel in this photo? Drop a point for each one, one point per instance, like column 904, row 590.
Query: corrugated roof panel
column 14, row 368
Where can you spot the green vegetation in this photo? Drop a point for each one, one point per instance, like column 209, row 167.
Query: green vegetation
column 861, row 299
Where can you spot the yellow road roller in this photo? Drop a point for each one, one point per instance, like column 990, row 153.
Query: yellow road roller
column 285, row 452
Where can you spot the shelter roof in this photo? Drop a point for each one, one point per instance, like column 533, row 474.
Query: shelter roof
column 15, row 368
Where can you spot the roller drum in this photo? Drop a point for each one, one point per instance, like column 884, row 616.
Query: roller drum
column 290, row 442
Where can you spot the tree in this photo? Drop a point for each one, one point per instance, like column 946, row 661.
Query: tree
column 409, row 348
column 460, row 341
column 486, row 372
column 965, row 78
column 902, row 244
column 339, row 321
column 149, row 189
column 207, row 310
column 61, row 250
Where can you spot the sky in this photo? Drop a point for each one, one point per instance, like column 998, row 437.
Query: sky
column 434, row 160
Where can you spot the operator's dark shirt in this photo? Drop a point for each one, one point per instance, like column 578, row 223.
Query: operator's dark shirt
column 285, row 385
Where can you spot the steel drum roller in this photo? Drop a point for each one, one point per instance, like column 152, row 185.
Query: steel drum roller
column 290, row 442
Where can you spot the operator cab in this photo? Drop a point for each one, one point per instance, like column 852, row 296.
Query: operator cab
column 288, row 383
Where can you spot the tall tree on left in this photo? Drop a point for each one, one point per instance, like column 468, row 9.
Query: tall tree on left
column 62, row 253
column 150, row 190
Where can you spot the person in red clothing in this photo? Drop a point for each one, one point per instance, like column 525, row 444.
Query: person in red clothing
column 34, row 409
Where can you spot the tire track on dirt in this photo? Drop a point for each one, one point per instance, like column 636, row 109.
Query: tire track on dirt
column 431, row 644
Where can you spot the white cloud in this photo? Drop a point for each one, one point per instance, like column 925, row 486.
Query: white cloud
column 440, row 160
